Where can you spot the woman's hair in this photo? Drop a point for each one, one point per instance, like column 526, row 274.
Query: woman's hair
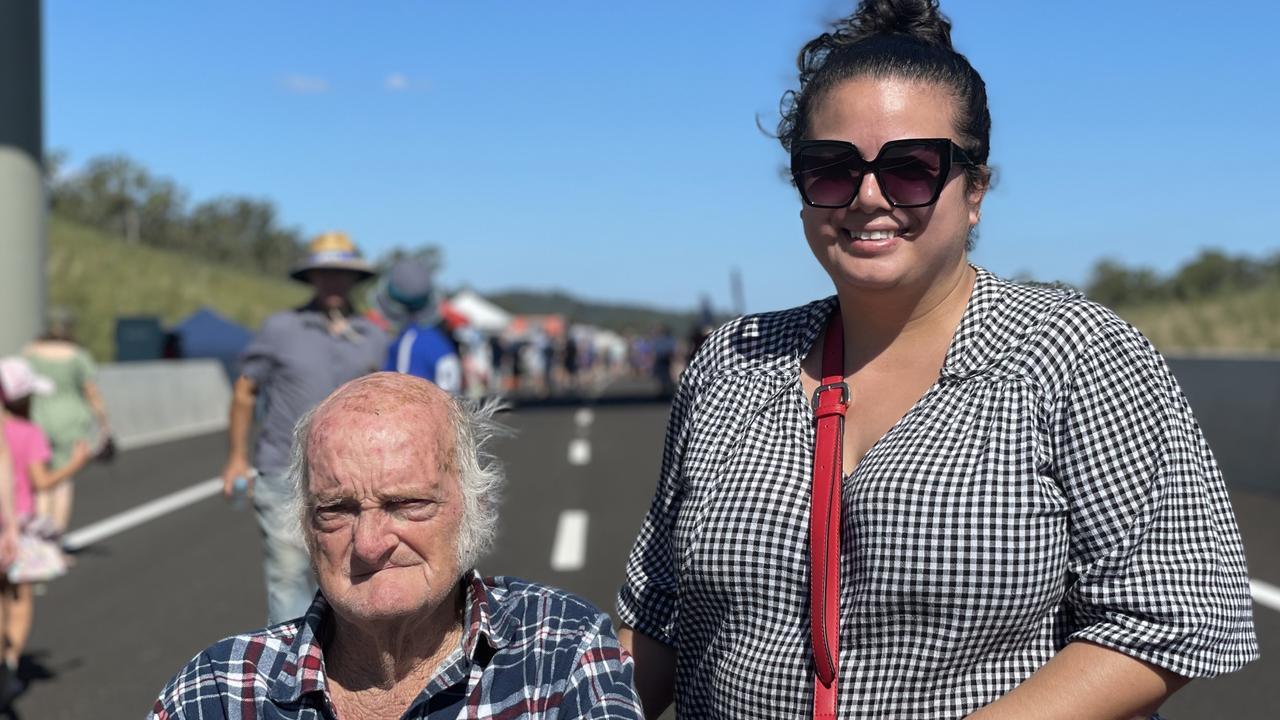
column 902, row 39
column 18, row 408
column 59, row 324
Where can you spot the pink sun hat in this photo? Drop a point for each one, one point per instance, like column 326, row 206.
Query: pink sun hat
column 18, row 379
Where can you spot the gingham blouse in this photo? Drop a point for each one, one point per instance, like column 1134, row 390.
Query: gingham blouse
column 1051, row 486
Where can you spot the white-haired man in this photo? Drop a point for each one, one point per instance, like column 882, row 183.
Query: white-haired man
column 397, row 499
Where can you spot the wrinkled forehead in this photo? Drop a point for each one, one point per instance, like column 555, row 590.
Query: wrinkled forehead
column 379, row 444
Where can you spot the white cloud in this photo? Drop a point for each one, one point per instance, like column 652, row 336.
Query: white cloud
column 397, row 82
column 304, row 84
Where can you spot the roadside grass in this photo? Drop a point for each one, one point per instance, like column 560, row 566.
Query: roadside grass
column 101, row 278
column 1246, row 321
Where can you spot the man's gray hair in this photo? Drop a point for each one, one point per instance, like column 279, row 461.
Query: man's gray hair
column 480, row 474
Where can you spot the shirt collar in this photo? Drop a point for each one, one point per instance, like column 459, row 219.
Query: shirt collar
column 486, row 616
column 304, row 671
column 977, row 341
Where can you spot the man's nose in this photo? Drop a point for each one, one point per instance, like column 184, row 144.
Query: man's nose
column 372, row 538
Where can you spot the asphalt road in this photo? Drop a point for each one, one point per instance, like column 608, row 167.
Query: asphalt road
column 140, row 603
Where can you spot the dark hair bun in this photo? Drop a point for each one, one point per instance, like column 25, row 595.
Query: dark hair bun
column 917, row 19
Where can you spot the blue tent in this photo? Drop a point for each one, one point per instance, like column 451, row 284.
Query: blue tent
column 206, row 334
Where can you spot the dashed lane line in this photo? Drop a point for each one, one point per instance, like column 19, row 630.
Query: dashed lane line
column 569, row 551
column 579, row 451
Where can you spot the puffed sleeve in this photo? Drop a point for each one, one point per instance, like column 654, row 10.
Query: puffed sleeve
column 1158, row 565
column 86, row 369
column 647, row 599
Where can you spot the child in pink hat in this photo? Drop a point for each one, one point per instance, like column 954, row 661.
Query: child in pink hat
column 29, row 457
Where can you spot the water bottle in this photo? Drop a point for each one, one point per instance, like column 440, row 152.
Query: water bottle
column 240, row 490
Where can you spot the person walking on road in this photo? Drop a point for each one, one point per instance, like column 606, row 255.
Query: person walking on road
column 70, row 415
column 935, row 493
column 423, row 348
column 297, row 358
column 397, row 497
column 36, row 557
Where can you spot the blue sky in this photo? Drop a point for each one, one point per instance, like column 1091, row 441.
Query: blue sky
column 610, row 149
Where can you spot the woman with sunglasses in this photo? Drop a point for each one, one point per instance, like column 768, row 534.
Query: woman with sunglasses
column 936, row 494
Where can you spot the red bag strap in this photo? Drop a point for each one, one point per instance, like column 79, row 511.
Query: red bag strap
column 830, row 401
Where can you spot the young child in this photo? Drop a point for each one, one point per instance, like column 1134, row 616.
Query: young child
column 28, row 458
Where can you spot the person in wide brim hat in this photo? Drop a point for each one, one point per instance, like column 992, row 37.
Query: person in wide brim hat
column 332, row 251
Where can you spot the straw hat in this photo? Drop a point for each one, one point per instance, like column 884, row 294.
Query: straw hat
column 332, row 251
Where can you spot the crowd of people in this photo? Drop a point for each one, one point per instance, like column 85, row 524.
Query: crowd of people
column 934, row 493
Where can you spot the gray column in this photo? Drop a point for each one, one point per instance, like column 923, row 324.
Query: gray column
column 22, row 191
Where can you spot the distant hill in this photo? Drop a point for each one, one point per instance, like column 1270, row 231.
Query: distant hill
column 101, row 277
column 619, row 317
column 1235, row 321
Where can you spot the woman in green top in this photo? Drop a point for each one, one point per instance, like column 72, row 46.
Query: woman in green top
column 68, row 415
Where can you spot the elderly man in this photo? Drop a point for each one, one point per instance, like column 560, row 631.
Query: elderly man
column 397, row 501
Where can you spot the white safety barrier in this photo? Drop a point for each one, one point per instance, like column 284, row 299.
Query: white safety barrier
column 164, row 400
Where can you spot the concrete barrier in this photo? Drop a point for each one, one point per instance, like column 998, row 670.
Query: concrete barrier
column 1236, row 400
column 164, row 400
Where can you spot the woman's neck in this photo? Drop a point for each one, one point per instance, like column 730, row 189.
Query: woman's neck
column 874, row 321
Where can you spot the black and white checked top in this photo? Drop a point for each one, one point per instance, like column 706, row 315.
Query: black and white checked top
column 1051, row 486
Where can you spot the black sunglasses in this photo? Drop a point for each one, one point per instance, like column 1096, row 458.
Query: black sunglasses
column 911, row 173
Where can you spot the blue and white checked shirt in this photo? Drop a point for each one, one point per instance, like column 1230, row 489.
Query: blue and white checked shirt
column 529, row 651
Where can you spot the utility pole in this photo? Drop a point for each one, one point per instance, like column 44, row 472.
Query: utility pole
column 22, row 190
column 735, row 291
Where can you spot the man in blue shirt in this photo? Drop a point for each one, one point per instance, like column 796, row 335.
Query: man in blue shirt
column 422, row 348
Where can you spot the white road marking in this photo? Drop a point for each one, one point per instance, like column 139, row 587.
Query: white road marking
column 1265, row 594
column 569, row 551
column 103, row 529
column 584, row 417
column 579, row 451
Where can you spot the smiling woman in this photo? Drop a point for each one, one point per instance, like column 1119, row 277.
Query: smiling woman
column 937, row 493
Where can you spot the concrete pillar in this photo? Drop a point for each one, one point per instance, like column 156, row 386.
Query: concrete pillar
column 22, row 191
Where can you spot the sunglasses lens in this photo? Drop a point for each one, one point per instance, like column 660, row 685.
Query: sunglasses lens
column 911, row 174
column 824, row 175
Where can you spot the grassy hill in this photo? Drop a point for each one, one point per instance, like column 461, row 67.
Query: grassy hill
column 101, row 278
column 1241, row 321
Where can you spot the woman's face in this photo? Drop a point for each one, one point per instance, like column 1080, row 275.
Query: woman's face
column 928, row 243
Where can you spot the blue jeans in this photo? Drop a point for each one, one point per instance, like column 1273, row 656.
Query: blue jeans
column 291, row 584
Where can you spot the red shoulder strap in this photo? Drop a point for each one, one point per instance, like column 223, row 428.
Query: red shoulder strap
column 830, row 401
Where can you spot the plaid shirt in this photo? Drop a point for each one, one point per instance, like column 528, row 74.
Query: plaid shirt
column 529, row 651
column 1051, row 486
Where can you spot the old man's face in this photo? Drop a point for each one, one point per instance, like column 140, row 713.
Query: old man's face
column 385, row 508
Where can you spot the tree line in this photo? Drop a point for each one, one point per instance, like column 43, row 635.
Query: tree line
column 118, row 196
column 1211, row 273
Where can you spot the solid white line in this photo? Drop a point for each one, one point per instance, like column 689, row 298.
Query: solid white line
column 1265, row 594
column 146, row 512
column 579, row 451
column 569, row 551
